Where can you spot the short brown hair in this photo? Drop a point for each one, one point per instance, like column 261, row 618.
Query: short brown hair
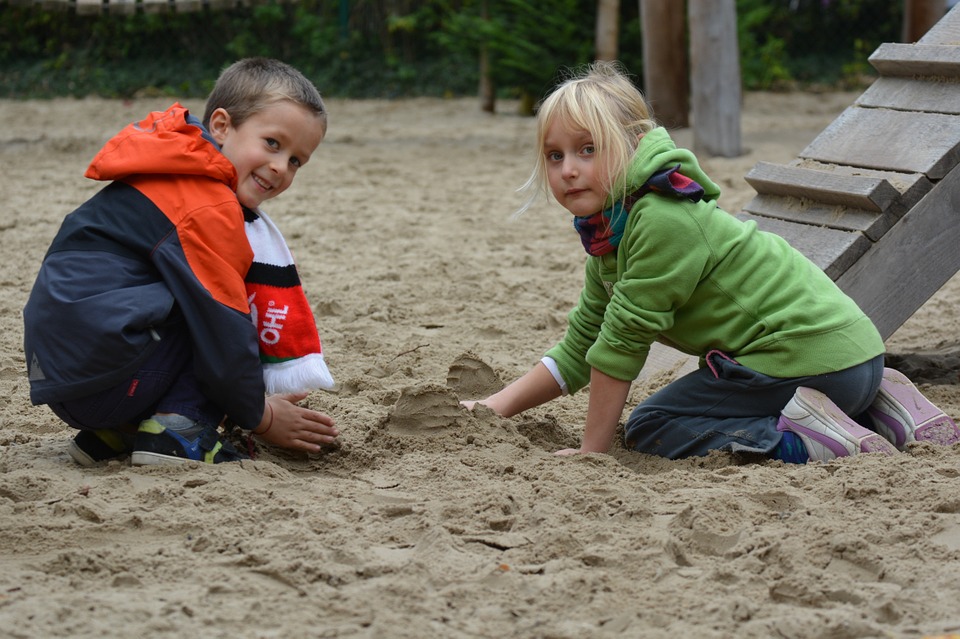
column 248, row 86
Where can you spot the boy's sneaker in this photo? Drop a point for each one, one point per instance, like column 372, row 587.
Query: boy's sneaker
column 90, row 447
column 825, row 430
column 903, row 415
column 157, row 444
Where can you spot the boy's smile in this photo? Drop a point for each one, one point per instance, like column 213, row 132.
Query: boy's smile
column 268, row 148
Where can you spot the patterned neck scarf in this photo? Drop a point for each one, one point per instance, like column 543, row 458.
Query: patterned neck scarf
column 601, row 232
column 290, row 349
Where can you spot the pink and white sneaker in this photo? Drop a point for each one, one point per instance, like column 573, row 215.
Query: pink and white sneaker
column 827, row 431
column 903, row 415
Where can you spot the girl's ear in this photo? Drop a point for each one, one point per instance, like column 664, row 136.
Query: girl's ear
column 219, row 125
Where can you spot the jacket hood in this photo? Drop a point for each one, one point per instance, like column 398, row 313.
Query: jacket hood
column 657, row 151
column 170, row 142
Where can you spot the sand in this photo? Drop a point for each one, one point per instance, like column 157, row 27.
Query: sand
column 429, row 521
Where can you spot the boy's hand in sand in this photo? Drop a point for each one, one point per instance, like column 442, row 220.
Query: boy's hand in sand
column 289, row 425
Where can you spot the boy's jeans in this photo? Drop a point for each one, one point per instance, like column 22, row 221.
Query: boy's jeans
column 164, row 384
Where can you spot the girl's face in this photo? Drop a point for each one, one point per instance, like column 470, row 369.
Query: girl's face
column 268, row 148
column 573, row 170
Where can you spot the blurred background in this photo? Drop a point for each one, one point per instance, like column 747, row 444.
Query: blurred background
column 403, row 48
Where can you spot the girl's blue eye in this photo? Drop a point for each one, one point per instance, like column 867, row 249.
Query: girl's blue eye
column 295, row 162
column 554, row 156
column 273, row 143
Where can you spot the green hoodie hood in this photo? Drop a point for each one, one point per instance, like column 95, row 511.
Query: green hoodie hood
column 658, row 151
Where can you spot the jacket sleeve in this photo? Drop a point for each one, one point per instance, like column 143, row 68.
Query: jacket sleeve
column 664, row 259
column 583, row 326
column 204, row 264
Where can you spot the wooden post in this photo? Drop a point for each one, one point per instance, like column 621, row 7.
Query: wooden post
column 487, row 88
column 665, row 68
column 607, row 43
column 715, row 77
column 919, row 16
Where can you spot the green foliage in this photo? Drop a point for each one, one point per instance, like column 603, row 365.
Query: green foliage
column 812, row 41
column 387, row 48
column 762, row 53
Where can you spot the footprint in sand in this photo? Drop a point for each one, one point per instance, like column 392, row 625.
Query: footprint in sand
column 472, row 378
column 424, row 408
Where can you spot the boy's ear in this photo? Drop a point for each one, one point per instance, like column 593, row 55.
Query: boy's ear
column 219, row 124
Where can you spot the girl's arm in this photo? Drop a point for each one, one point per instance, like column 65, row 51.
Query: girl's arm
column 608, row 396
column 536, row 387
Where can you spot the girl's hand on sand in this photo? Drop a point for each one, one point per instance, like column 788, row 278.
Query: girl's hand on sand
column 294, row 426
column 470, row 404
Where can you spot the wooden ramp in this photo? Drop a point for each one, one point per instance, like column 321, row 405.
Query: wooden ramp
column 874, row 200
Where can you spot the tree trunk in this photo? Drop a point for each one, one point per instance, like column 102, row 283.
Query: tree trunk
column 487, row 89
column 715, row 77
column 607, row 44
column 665, row 67
column 919, row 16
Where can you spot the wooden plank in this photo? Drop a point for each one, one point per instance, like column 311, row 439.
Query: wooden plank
column 715, row 77
column 919, row 16
column 913, row 60
column 155, row 6
column 834, row 251
column 911, row 186
column 902, row 94
column 666, row 66
column 863, row 192
column 911, row 261
column 188, row 6
column 802, row 211
column 667, row 362
column 89, row 7
column 122, row 7
column 945, row 31
column 55, row 5
column 885, row 139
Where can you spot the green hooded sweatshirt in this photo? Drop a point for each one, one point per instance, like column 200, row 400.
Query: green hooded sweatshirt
column 692, row 276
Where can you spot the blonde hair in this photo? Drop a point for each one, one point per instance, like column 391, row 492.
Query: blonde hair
column 601, row 100
column 250, row 85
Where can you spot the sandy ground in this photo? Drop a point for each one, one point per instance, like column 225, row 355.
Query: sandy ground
column 430, row 521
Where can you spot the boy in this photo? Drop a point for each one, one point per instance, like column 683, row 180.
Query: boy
column 140, row 328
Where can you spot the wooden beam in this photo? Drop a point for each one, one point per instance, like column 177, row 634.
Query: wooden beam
column 911, row 261
column 864, row 192
column 715, row 77
column 666, row 69
column 607, row 36
column 919, row 16
column 946, row 31
column 916, row 60
column 890, row 140
column 913, row 94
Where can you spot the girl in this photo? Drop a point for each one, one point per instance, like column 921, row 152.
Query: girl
column 785, row 355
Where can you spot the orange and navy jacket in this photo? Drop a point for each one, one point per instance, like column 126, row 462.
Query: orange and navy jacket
column 162, row 244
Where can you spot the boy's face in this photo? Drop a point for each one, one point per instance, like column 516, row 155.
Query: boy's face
column 268, row 148
column 572, row 169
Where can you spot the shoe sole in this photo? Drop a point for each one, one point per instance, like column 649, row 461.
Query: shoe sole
column 905, row 415
column 861, row 440
column 79, row 456
column 144, row 458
